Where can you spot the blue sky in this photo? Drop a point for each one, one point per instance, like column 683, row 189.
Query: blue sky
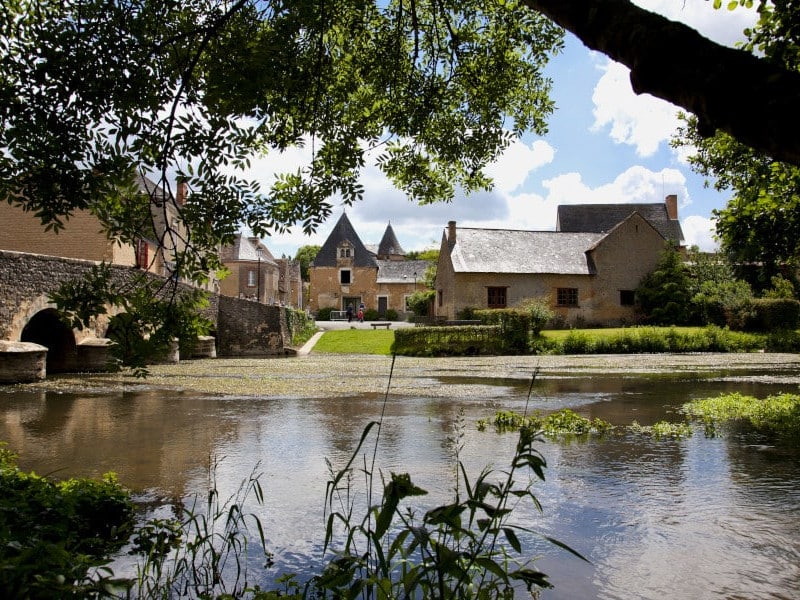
column 604, row 145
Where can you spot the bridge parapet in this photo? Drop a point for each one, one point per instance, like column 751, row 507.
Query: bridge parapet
column 27, row 280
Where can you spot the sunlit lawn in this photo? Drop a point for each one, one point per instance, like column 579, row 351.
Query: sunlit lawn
column 560, row 334
column 365, row 341
column 355, row 341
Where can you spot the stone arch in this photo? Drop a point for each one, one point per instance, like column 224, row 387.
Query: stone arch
column 47, row 329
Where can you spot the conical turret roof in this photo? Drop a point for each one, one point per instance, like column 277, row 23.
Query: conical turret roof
column 389, row 245
column 343, row 231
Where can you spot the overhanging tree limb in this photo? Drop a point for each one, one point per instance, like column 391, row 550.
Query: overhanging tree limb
column 727, row 89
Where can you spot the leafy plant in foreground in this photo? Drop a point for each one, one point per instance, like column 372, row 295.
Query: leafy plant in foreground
column 55, row 535
column 468, row 548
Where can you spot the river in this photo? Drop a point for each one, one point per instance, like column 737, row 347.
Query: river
column 691, row 518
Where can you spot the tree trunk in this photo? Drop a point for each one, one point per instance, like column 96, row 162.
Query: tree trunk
column 727, row 89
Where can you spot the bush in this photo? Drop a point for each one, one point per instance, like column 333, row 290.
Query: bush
column 391, row 315
column 725, row 303
column 466, row 314
column 53, row 532
column 772, row 314
column 420, row 302
column 301, row 326
column 324, row 313
column 371, row 315
column 538, row 310
column 515, row 326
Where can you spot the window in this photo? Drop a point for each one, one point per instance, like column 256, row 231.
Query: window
column 441, row 297
column 567, row 296
column 251, row 279
column 496, row 297
column 344, row 276
column 344, row 252
column 627, row 297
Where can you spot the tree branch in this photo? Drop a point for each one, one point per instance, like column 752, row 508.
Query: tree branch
column 727, row 89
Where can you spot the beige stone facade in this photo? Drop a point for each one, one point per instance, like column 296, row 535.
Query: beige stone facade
column 587, row 278
column 346, row 272
column 254, row 274
column 82, row 236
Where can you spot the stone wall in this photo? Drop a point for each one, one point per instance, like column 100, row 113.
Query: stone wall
column 246, row 328
column 27, row 280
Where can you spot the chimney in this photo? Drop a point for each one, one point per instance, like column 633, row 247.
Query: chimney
column 181, row 192
column 451, row 232
column 671, row 203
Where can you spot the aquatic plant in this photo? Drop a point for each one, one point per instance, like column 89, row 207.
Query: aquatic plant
column 558, row 423
column 663, row 429
column 775, row 415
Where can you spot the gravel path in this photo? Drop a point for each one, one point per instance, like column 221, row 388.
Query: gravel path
column 327, row 375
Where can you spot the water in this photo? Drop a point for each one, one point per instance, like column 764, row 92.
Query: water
column 695, row 518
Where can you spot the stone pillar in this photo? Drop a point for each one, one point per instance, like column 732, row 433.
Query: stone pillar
column 22, row 362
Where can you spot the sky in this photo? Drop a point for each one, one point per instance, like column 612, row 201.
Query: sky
column 605, row 144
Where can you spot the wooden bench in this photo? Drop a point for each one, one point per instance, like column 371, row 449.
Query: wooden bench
column 376, row 325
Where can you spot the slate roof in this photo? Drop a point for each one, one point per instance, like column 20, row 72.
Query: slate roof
column 343, row 230
column 389, row 244
column 525, row 252
column 401, row 271
column 602, row 218
column 244, row 249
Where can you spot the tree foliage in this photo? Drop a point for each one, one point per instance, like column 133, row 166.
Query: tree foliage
column 663, row 295
column 200, row 89
column 305, row 256
column 760, row 226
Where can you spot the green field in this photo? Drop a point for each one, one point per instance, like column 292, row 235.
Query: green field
column 364, row 341
column 355, row 341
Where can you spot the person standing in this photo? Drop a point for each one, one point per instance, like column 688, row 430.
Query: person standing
column 349, row 313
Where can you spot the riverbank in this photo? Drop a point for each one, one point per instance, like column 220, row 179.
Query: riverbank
column 336, row 375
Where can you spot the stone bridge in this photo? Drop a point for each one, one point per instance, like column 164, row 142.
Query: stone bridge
column 243, row 328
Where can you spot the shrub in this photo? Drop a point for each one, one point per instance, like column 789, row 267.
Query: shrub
column 53, row 532
column 324, row 313
column 391, row 315
column 725, row 303
column 538, row 310
column 771, row 314
column 663, row 296
column 420, row 302
column 514, row 324
column 371, row 315
column 466, row 314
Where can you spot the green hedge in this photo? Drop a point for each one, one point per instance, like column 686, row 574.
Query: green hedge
column 775, row 314
column 448, row 341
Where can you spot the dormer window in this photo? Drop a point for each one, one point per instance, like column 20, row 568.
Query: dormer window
column 345, row 251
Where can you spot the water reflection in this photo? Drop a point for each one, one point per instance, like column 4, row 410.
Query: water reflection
column 697, row 518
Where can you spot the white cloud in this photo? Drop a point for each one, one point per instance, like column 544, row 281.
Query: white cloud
column 512, row 169
column 635, row 184
column 699, row 231
column 642, row 121
column 723, row 26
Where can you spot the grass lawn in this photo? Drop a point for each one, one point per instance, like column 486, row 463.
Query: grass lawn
column 355, row 341
column 560, row 334
column 364, row 341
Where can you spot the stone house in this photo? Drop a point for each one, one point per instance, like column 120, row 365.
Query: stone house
column 348, row 272
column 83, row 237
column 588, row 273
column 254, row 274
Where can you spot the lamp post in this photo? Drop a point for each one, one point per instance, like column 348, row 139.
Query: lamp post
column 259, row 251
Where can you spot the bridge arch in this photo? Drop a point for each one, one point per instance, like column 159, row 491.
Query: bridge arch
column 47, row 329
